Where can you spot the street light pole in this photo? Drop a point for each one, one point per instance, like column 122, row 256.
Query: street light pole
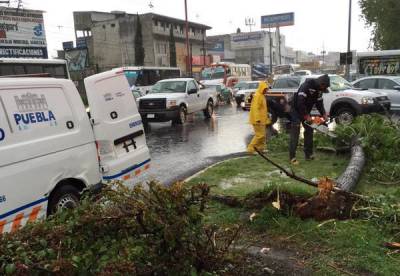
column 188, row 61
column 348, row 43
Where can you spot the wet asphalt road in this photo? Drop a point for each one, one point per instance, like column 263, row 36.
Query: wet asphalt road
column 178, row 151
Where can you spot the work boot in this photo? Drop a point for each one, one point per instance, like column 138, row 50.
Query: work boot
column 310, row 158
column 294, row 162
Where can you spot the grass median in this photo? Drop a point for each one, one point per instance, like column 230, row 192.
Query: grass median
column 354, row 246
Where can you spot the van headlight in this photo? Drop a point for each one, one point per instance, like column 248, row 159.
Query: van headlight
column 367, row 100
column 171, row 103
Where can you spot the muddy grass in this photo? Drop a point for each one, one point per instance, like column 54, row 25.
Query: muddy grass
column 243, row 192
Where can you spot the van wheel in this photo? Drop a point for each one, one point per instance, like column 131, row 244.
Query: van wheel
column 345, row 116
column 64, row 197
column 209, row 111
column 181, row 119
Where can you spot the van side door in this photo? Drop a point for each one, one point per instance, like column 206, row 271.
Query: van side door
column 118, row 127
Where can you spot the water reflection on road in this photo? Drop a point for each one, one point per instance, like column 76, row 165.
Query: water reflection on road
column 177, row 151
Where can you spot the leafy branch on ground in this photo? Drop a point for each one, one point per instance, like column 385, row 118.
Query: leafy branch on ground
column 141, row 231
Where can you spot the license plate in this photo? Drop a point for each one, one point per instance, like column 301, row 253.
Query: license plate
column 151, row 116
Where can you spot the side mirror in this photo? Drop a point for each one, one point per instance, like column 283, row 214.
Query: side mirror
column 192, row 91
column 397, row 87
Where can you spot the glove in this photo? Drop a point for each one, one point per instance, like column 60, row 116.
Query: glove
column 308, row 119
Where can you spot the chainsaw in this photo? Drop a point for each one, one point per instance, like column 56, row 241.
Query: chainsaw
column 320, row 125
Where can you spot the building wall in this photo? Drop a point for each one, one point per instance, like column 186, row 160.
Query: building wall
column 251, row 47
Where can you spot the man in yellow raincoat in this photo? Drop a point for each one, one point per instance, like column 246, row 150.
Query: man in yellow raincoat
column 259, row 119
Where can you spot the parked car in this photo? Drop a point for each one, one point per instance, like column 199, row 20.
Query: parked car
column 343, row 102
column 173, row 99
column 303, row 73
column 244, row 89
column 387, row 84
column 224, row 94
column 50, row 150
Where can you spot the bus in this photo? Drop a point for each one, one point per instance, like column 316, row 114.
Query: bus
column 378, row 63
column 17, row 67
column 226, row 73
column 141, row 79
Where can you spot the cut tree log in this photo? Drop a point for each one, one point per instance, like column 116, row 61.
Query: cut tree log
column 350, row 177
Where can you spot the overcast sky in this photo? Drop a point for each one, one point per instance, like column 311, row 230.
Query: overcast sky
column 318, row 22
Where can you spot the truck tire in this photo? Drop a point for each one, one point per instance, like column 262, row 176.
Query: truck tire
column 64, row 197
column 181, row 119
column 209, row 111
column 345, row 115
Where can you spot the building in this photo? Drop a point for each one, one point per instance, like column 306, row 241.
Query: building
column 22, row 34
column 251, row 48
column 110, row 37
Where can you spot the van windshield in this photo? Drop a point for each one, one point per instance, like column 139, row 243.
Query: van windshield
column 169, row 87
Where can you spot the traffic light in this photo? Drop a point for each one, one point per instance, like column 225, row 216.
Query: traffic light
column 346, row 58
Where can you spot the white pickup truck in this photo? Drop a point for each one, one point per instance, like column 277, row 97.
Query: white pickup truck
column 173, row 99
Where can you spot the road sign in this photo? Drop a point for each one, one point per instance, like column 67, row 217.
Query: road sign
column 81, row 43
column 346, row 58
column 68, row 45
column 277, row 20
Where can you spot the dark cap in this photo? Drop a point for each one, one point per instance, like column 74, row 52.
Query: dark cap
column 324, row 80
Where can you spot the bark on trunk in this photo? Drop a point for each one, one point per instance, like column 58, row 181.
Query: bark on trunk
column 349, row 179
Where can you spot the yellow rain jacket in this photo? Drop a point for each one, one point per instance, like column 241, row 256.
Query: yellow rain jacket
column 259, row 109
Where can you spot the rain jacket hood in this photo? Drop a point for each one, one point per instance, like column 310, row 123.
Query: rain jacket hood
column 258, row 109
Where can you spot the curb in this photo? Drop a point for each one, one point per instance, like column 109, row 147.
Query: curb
column 212, row 166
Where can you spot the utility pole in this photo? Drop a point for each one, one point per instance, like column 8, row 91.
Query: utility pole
column 348, row 43
column 204, row 48
column 270, row 51
column 278, row 31
column 188, row 61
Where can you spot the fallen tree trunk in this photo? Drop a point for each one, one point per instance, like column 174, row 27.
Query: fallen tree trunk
column 350, row 177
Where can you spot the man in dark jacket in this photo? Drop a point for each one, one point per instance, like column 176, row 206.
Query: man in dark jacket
column 309, row 95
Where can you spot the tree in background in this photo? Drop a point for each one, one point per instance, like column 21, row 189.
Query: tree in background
column 383, row 17
column 172, row 48
column 139, row 49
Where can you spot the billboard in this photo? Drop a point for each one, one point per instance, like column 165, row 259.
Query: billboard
column 383, row 65
column 277, row 20
column 22, row 33
column 217, row 47
column 246, row 37
column 77, row 59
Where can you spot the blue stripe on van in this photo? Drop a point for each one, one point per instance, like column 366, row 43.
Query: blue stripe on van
column 23, row 207
column 128, row 170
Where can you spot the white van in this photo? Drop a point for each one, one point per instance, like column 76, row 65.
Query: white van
column 50, row 150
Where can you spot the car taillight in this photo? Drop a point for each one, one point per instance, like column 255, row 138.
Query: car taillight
column 105, row 149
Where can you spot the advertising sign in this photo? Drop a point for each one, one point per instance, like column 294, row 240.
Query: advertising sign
column 81, row 43
column 217, row 47
column 77, row 59
column 22, row 33
column 68, row 45
column 384, row 65
column 277, row 20
column 246, row 37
